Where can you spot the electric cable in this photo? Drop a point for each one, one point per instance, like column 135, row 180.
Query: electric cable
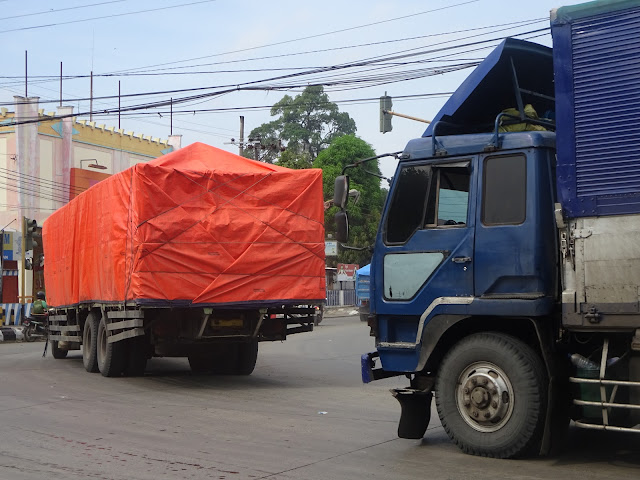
column 106, row 16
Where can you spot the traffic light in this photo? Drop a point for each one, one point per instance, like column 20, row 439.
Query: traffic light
column 385, row 117
column 29, row 231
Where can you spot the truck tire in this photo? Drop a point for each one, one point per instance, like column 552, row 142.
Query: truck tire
column 111, row 356
column 491, row 396
column 57, row 352
column 136, row 356
column 247, row 355
column 200, row 363
column 90, row 343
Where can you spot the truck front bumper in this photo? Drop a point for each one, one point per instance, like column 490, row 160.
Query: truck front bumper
column 370, row 371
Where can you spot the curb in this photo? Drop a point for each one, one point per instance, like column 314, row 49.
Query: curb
column 11, row 334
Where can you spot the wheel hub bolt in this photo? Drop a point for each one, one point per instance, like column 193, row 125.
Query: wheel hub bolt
column 483, row 381
column 474, row 381
column 494, row 404
column 487, row 415
column 466, row 390
column 475, row 413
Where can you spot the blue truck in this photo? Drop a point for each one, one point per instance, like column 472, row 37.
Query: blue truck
column 363, row 281
column 505, row 277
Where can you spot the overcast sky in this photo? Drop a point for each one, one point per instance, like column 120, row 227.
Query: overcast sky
column 216, row 46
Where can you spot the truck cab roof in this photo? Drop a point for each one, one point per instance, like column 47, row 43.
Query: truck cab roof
column 469, row 144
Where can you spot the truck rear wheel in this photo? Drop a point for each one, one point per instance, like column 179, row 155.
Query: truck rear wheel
column 491, row 394
column 111, row 356
column 57, row 352
column 90, row 343
column 247, row 355
column 201, row 363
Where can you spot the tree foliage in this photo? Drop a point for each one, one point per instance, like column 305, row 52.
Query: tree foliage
column 364, row 215
column 305, row 124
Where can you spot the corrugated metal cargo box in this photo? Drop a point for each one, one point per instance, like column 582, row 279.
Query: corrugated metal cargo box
column 596, row 50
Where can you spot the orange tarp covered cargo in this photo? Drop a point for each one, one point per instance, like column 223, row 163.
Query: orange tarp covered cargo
column 200, row 226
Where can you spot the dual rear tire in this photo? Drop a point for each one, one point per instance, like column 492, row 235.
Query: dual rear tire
column 226, row 359
column 127, row 357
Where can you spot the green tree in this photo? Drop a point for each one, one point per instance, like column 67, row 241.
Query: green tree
column 364, row 215
column 305, row 125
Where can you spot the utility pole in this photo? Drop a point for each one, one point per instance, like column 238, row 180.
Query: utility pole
column 60, row 83
column 23, row 271
column 171, row 117
column 91, row 98
column 25, row 75
column 118, row 104
column 241, row 135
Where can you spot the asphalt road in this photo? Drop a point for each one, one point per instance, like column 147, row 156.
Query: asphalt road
column 303, row 414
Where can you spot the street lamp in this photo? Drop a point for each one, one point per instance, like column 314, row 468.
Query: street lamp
column 95, row 165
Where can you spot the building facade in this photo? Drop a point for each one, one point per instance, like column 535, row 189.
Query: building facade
column 46, row 159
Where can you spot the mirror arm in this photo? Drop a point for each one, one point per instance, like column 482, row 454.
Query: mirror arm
column 364, row 160
column 357, row 249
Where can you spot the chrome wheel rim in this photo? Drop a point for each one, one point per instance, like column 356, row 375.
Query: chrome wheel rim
column 484, row 397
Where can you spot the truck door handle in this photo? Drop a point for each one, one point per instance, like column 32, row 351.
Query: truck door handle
column 461, row 259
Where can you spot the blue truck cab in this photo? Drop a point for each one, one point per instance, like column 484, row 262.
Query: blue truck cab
column 489, row 248
column 505, row 278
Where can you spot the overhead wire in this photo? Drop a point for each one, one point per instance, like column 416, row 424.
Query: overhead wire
column 75, row 7
column 310, row 36
column 282, row 85
column 106, row 16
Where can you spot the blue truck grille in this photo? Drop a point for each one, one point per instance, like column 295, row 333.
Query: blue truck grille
column 606, row 67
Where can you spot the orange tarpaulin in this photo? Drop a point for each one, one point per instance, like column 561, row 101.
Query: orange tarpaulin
column 198, row 226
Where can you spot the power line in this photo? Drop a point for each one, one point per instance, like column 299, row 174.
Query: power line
column 160, row 72
column 77, row 7
column 362, row 63
column 521, row 23
column 107, row 16
column 307, row 37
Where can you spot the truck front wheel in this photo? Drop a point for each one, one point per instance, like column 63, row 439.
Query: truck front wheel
column 491, row 394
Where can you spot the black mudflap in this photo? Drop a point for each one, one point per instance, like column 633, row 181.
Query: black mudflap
column 415, row 412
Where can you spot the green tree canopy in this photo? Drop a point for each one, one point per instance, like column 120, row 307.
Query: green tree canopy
column 364, row 215
column 305, row 125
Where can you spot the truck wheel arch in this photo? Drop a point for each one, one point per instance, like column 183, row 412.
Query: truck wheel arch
column 443, row 331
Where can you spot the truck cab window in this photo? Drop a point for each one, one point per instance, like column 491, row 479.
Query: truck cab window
column 407, row 208
column 504, row 177
column 448, row 197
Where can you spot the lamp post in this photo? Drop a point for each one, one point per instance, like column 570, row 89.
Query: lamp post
column 95, row 165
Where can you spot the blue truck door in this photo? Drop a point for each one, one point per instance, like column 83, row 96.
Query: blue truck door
column 427, row 239
column 515, row 236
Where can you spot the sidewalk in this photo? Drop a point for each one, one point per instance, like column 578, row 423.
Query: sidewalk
column 11, row 333
column 346, row 311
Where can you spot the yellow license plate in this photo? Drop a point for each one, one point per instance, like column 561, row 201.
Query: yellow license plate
column 226, row 322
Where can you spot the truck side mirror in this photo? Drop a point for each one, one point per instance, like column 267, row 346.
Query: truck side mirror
column 342, row 226
column 341, row 191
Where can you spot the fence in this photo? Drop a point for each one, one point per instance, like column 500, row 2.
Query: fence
column 339, row 298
